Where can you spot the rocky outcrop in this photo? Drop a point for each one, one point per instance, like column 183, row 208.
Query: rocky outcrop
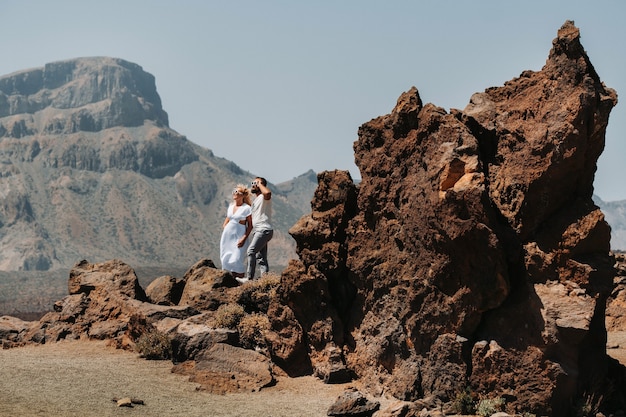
column 470, row 263
column 472, row 256
column 218, row 334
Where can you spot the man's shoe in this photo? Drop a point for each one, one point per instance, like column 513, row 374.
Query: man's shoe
column 242, row 280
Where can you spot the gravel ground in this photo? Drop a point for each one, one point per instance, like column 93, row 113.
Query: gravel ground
column 81, row 378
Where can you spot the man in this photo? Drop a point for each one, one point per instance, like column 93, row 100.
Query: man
column 262, row 230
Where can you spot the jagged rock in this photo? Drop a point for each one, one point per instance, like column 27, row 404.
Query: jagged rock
column 105, row 302
column 224, row 368
column 165, row 290
column 353, row 403
column 193, row 336
column 472, row 254
column 316, row 287
column 286, row 341
column 110, row 276
column 204, row 286
column 616, row 304
column 12, row 329
column 333, row 370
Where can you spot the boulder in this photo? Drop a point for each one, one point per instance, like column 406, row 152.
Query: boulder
column 224, row 368
column 165, row 290
column 11, row 330
column 205, row 286
column 111, row 276
column 105, row 302
column 353, row 403
column 191, row 337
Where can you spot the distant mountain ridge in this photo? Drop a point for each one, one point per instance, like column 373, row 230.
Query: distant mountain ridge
column 90, row 169
column 615, row 215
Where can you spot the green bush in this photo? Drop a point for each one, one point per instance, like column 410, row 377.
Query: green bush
column 154, row 345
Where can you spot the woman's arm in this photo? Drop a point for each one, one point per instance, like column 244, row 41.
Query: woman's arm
column 247, row 233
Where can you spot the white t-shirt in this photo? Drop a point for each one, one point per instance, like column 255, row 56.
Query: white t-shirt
column 262, row 213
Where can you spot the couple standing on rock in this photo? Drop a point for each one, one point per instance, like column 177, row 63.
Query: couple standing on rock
column 244, row 217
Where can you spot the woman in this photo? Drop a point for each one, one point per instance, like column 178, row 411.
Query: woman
column 236, row 228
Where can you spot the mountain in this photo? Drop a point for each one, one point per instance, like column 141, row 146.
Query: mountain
column 615, row 214
column 90, row 169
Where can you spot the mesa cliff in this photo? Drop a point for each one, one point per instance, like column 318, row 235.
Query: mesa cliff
column 90, row 169
column 469, row 260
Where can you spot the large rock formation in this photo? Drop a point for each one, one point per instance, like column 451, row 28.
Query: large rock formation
column 89, row 169
column 471, row 256
column 469, row 263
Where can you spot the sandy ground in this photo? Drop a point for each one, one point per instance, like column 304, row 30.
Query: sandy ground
column 82, row 378
column 616, row 346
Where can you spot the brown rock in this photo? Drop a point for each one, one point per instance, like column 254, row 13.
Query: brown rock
column 111, row 276
column 105, row 302
column 225, row 368
column 11, row 330
column 193, row 336
column 353, row 403
column 205, row 285
column 470, row 228
column 286, row 341
column 317, row 288
column 165, row 290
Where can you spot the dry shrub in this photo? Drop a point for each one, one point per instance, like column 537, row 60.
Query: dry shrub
column 252, row 328
column 488, row 406
column 256, row 295
column 154, row 345
column 227, row 316
column 268, row 282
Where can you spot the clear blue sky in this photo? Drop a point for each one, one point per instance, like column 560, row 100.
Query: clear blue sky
column 280, row 87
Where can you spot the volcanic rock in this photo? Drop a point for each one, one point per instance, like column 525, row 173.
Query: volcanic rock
column 224, row 368
column 354, row 404
column 471, row 255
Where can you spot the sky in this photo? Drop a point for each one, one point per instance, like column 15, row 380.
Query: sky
column 281, row 87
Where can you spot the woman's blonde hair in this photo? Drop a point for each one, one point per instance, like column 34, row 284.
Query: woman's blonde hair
column 246, row 193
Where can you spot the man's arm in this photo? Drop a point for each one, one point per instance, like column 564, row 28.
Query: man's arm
column 267, row 193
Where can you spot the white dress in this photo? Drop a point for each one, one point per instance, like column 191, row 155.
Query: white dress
column 231, row 256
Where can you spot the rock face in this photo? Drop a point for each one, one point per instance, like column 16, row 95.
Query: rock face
column 471, row 255
column 89, row 169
